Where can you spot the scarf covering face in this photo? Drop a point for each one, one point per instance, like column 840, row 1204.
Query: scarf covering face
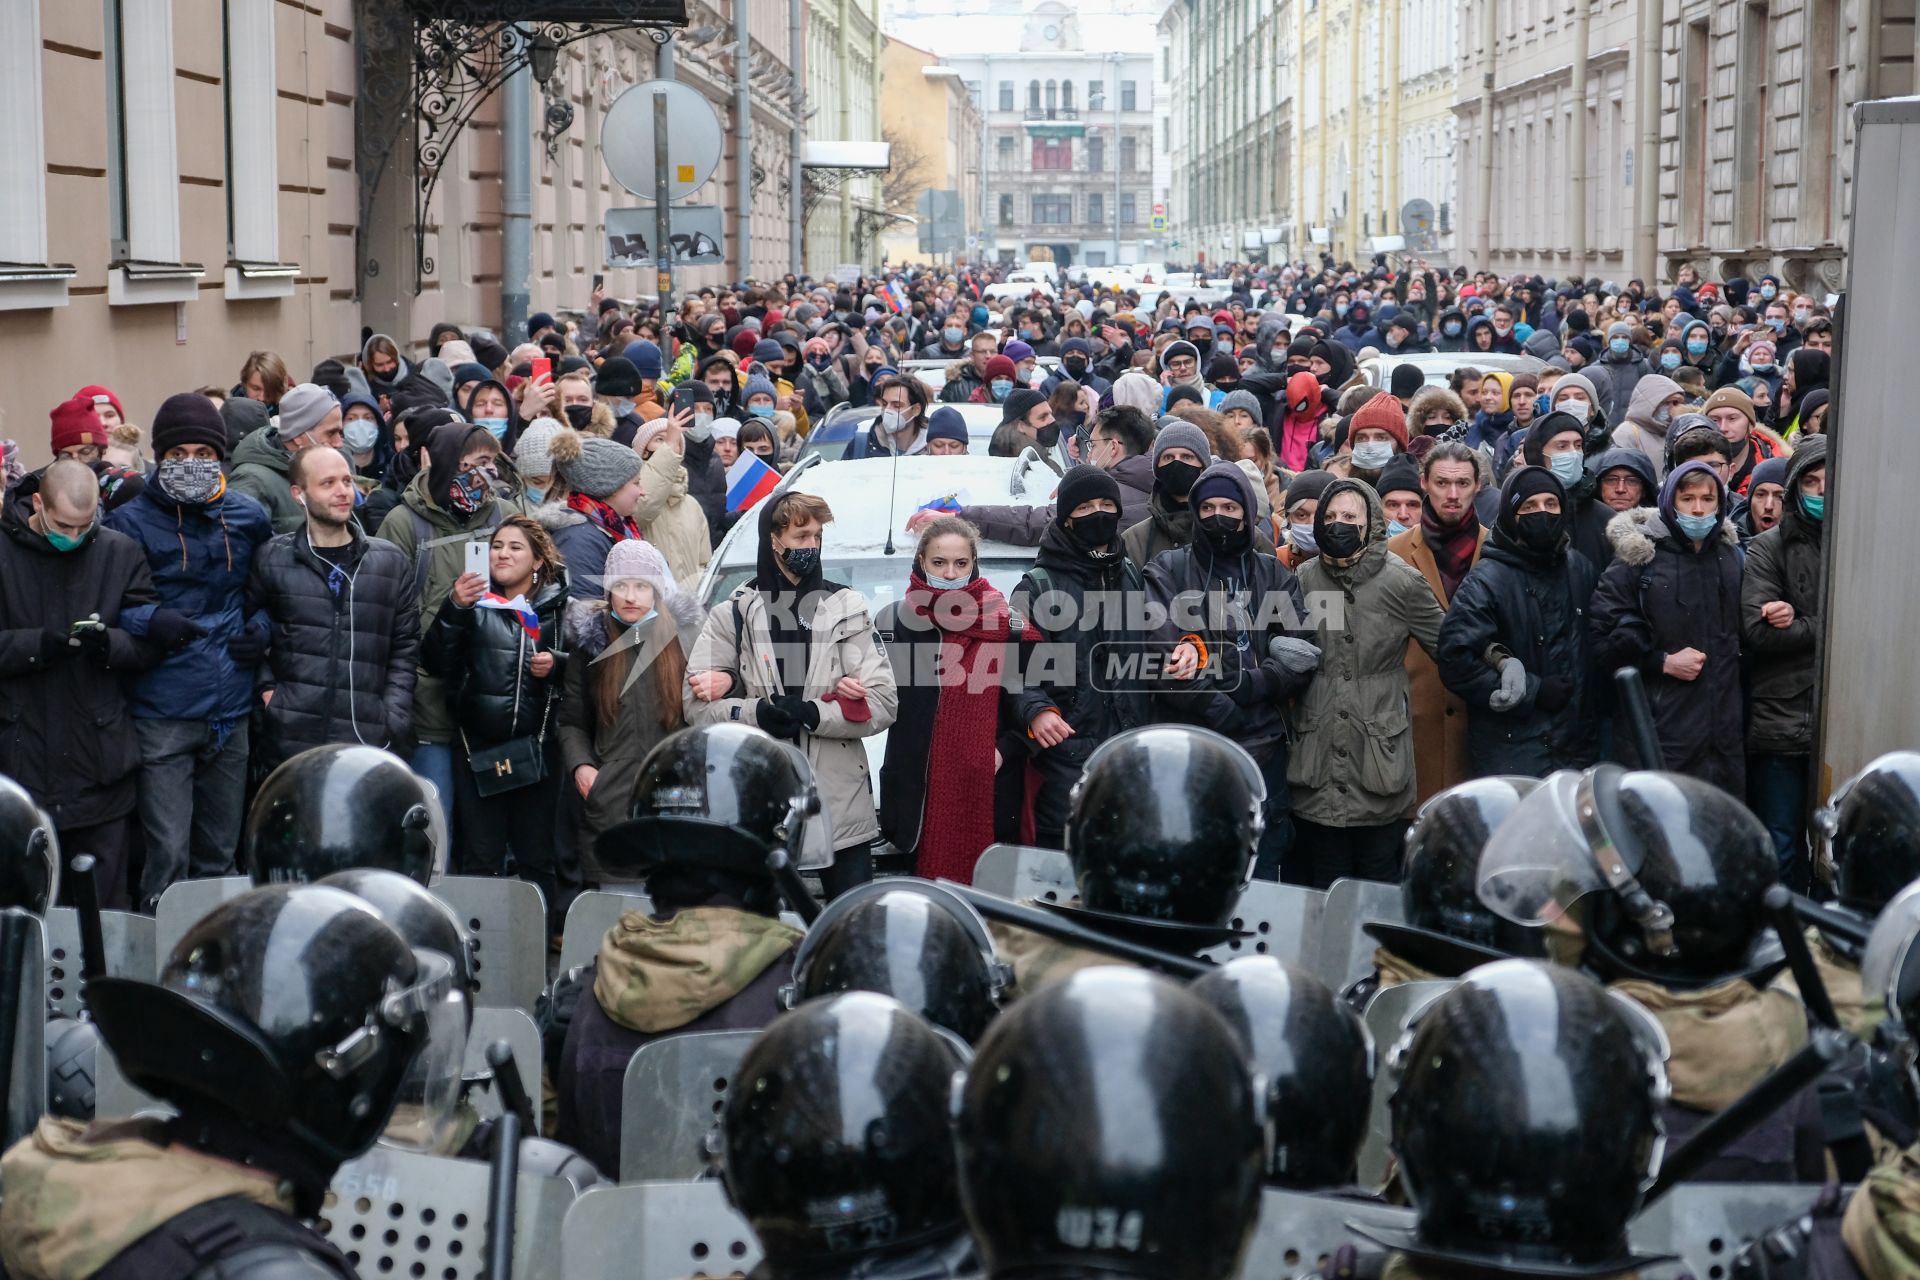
column 655, row 975
column 603, row 517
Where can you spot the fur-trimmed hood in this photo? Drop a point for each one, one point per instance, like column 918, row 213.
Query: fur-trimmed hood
column 1634, row 533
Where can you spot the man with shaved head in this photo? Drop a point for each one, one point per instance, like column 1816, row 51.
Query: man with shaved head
column 66, row 735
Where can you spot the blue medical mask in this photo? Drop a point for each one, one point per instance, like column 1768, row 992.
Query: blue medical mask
column 1763, row 368
column 1301, row 536
column 1395, row 528
column 760, row 410
column 1372, row 455
column 1696, row 527
column 61, row 542
column 1777, row 323
column 536, row 494
column 1696, row 346
column 1767, row 291
column 1669, row 359
column 1618, row 346
column 1002, row 388
column 621, row 408
column 1451, row 328
column 1542, row 405
column 361, row 434
column 946, row 584
column 498, row 426
column 1566, row 466
column 952, row 336
column 1340, row 309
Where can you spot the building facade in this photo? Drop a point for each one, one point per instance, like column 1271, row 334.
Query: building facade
column 935, row 127
column 1227, row 128
column 843, row 105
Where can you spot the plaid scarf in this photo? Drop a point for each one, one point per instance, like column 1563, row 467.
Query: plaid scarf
column 603, row 517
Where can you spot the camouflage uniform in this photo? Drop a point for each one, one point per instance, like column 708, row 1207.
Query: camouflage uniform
column 1039, row 961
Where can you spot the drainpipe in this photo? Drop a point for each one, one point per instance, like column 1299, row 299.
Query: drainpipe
column 1577, row 138
column 1483, row 212
column 1646, row 157
column 516, row 207
column 796, row 62
column 743, row 141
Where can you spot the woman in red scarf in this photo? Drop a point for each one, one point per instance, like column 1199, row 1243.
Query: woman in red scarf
column 948, row 642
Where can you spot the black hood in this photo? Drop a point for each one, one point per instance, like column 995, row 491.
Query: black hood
column 446, row 445
column 472, row 389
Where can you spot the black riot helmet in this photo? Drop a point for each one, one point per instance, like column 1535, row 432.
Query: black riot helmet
column 838, row 1134
column 1526, row 1114
column 282, row 1028
column 1316, row 1057
column 1671, row 872
column 419, row 917
column 1161, row 832
column 1447, row 929
column 721, row 796
column 1110, row 1123
column 1872, row 827
column 29, row 851
column 914, row 940
column 335, row 808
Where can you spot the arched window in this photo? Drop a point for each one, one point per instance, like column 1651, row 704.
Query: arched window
column 1066, row 95
column 1033, row 95
column 1053, row 95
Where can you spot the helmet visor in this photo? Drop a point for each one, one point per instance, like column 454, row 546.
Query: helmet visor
column 1538, row 863
column 427, row 1117
column 812, row 850
column 1888, row 963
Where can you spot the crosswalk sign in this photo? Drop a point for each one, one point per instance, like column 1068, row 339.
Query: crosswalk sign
column 1159, row 222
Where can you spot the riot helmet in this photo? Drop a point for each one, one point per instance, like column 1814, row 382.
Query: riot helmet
column 1110, row 1123
column 838, row 1134
column 335, row 808
column 1447, row 929
column 1161, row 831
column 282, row 1028
column 719, row 796
column 29, row 851
column 1670, row 871
column 1316, row 1057
column 914, row 940
column 1890, row 971
column 1527, row 1122
column 1872, row 826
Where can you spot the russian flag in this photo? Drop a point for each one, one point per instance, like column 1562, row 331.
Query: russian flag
column 749, row 479
column 518, row 606
column 949, row 503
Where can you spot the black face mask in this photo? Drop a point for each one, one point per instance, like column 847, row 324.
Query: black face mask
column 1049, row 435
column 1096, row 530
column 1341, row 540
column 801, row 562
column 1175, row 478
column 1202, row 345
column 580, row 415
column 1538, row 530
column 1221, row 532
column 1074, row 366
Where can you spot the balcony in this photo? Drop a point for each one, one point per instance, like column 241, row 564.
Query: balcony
column 1052, row 113
column 1054, row 122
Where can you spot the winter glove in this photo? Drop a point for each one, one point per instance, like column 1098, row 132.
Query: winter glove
column 248, row 647
column 92, row 635
column 173, row 630
column 1513, row 686
column 773, row 715
column 1297, row 656
column 54, row 645
column 802, row 711
column 1555, row 693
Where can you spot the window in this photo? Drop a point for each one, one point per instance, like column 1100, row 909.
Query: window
column 23, row 163
column 1127, row 154
column 1096, row 257
column 253, row 169
column 1004, row 152
column 1066, row 96
column 1751, row 182
column 1053, row 96
column 1096, row 154
column 143, row 165
column 1052, row 154
column 1033, row 95
column 1096, row 208
column 1696, row 106
column 1006, row 210
column 1053, row 210
column 1006, row 95
column 1127, row 210
column 1096, row 95
column 1126, row 95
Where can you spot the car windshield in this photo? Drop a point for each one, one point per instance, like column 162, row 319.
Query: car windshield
column 880, row 579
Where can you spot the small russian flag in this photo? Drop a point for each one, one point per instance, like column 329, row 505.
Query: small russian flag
column 518, row 606
column 749, row 479
column 947, row 502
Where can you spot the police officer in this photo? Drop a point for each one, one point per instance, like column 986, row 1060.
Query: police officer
column 709, row 805
column 1110, row 1124
column 335, row 808
column 281, row 1030
column 914, row 940
column 1526, row 1121
column 1317, row 1059
column 827, row 1198
column 29, row 852
column 1161, row 832
column 1447, row 929
column 1666, row 876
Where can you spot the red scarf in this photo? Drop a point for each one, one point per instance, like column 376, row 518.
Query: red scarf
column 603, row 517
column 957, row 821
column 1453, row 549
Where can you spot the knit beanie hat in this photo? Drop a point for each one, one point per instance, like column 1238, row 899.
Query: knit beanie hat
column 634, row 558
column 1407, row 380
column 767, row 349
column 302, row 409
column 75, row 423
column 1772, row 471
column 1308, row 485
column 593, row 465
column 1215, row 482
column 1177, row 349
column 1398, row 476
column 1619, row 329
column 645, row 358
column 1245, row 401
column 1081, row 484
column 757, row 385
column 188, row 418
column 531, row 456
column 729, row 428
column 94, row 395
column 1178, row 433
column 1731, row 397
column 440, row 374
column 618, row 377
column 1020, row 402
column 947, row 423
column 1000, row 367
column 242, row 417
column 1017, row 351
column 1383, row 412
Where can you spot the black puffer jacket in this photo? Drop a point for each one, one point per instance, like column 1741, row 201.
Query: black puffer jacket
column 1532, row 607
column 65, row 732
column 344, row 645
column 483, row 654
column 707, row 485
column 1784, row 564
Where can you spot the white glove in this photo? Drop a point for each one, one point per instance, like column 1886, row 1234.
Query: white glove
column 1513, row 685
column 1297, row 656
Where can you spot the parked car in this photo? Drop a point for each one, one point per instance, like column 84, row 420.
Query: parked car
column 1437, row 366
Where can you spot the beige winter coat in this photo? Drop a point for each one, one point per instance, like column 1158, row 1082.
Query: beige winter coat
column 671, row 520
column 844, row 644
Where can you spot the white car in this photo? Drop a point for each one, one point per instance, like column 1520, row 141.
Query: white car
column 1437, row 366
column 1184, row 287
column 844, row 422
column 1021, row 284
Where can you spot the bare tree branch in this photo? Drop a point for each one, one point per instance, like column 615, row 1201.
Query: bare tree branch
column 907, row 178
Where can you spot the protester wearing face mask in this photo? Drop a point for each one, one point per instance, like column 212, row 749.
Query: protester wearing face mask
column 488, row 404
column 1557, row 442
column 1377, row 434
column 1301, row 504
column 1656, row 399
column 533, row 462
column 1669, row 606
column 1352, row 768
column 1451, row 333
column 1624, row 366
column 1578, row 394
column 950, row 343
column 821, row 381
column 941, row 756
column 618, row 387
column 795, row 654
column 1076, row 366
column 900, row 427
column 700, row 454
column 1515, row 644
column 1227, row 603
column 308, row 415
column 1180, row 453
column 364, row 435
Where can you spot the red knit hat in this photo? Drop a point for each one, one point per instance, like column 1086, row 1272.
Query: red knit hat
column 1384, row 413
column 75, row 422
column 1000, row 367
column 94, row 395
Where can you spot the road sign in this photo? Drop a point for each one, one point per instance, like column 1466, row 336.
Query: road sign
column 1158, row 222
column 1159, row 209
column 696, row 236
column 694, row 139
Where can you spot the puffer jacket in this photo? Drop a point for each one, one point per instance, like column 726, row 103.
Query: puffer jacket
column 1168, row 526
column 1352, row 762
column 482, row 656
column 738, row 639
column 1620, row 391
column 199, row 555
column 1659, row 596
column 344, row 645
column 1784, row 564
column 258, row 469
column 1023, row 526
column 1638, row 430
column 64, row 732
column 671, row 519
column 615, row 748
column 707, row 485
